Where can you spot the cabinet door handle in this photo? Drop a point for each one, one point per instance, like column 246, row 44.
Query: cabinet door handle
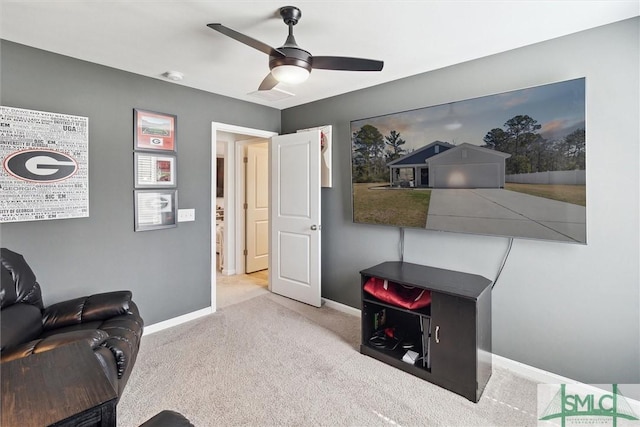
column 437, row 334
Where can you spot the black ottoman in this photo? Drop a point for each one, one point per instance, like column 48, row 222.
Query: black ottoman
column 167, row 419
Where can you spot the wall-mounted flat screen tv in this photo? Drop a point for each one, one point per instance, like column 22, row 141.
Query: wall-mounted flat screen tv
column 510, row 164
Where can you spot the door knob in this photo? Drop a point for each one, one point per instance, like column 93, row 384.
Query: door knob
column 314, row 227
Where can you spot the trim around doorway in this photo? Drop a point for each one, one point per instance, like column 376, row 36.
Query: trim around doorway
column 239, row 133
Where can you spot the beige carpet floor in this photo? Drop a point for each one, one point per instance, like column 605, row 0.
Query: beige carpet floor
column 264, row 360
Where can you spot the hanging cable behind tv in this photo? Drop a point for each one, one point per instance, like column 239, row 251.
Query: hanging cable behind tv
column 504, row 261
column 401, row 244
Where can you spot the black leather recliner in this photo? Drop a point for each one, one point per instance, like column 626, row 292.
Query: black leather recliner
column 110, row 322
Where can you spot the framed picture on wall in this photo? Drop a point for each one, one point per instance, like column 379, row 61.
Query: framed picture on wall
column 154, row 131
column 155, row 209
column 325, row 150
column 154, row 170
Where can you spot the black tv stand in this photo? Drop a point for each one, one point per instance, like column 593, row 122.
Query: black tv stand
column 452, row 335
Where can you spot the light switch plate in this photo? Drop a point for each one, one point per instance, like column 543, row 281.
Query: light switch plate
column 185, row 215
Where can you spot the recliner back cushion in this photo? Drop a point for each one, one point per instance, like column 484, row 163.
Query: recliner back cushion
column 19, row 323
column 18, row 281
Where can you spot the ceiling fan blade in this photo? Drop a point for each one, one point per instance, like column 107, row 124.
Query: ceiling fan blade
column 346, row 64
column 268, row 83
column 249, row 41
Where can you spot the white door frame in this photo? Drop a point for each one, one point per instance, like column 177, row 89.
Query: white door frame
column 231, row 191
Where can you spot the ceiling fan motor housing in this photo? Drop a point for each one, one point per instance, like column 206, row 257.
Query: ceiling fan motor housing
column 294, row 56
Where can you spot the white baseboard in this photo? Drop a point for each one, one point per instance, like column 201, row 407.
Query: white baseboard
column 170, row 323
column 543, row 377
column 341, row 307
column 175, row 321
column 530, row 372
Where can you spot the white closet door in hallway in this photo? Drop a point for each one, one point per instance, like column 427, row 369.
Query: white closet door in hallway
column 257, row 207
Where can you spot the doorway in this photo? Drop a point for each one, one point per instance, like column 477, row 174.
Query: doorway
column 232, row 141
column 424, row 177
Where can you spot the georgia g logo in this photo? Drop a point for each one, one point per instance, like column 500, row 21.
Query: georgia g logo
column 41, row 166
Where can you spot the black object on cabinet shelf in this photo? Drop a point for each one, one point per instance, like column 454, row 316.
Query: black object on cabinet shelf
column 451, row 336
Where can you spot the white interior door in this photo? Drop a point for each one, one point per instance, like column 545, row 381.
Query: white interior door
column 257, row 208
column 295, row 216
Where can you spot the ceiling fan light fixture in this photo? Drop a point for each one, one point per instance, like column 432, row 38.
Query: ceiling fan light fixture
column 290, row 74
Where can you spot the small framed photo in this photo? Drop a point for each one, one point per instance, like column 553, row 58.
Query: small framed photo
column 155, row 209
column 154, row 170
column 154, row 131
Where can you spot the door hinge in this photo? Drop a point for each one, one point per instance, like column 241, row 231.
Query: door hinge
column 245, row 206
column 245, row 252
column 245, row 159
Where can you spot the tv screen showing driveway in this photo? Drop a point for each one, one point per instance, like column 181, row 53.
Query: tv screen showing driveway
column 510, row 164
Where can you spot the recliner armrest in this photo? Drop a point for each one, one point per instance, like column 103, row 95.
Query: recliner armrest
column 94, row 338
column 86, row 309
column 124, row 339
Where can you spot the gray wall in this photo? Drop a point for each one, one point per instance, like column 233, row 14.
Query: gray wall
column 169, row 271
column 568, row 309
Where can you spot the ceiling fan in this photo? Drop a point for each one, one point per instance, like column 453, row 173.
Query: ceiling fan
column 290, row 63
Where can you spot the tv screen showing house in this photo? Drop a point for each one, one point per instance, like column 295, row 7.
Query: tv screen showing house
column 510, row 164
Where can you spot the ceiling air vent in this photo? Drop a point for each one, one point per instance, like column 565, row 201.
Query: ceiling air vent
column 274, row 94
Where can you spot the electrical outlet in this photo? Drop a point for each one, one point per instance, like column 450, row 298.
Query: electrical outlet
column 185, row 215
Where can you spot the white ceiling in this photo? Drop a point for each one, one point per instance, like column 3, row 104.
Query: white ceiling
column 149, row 37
